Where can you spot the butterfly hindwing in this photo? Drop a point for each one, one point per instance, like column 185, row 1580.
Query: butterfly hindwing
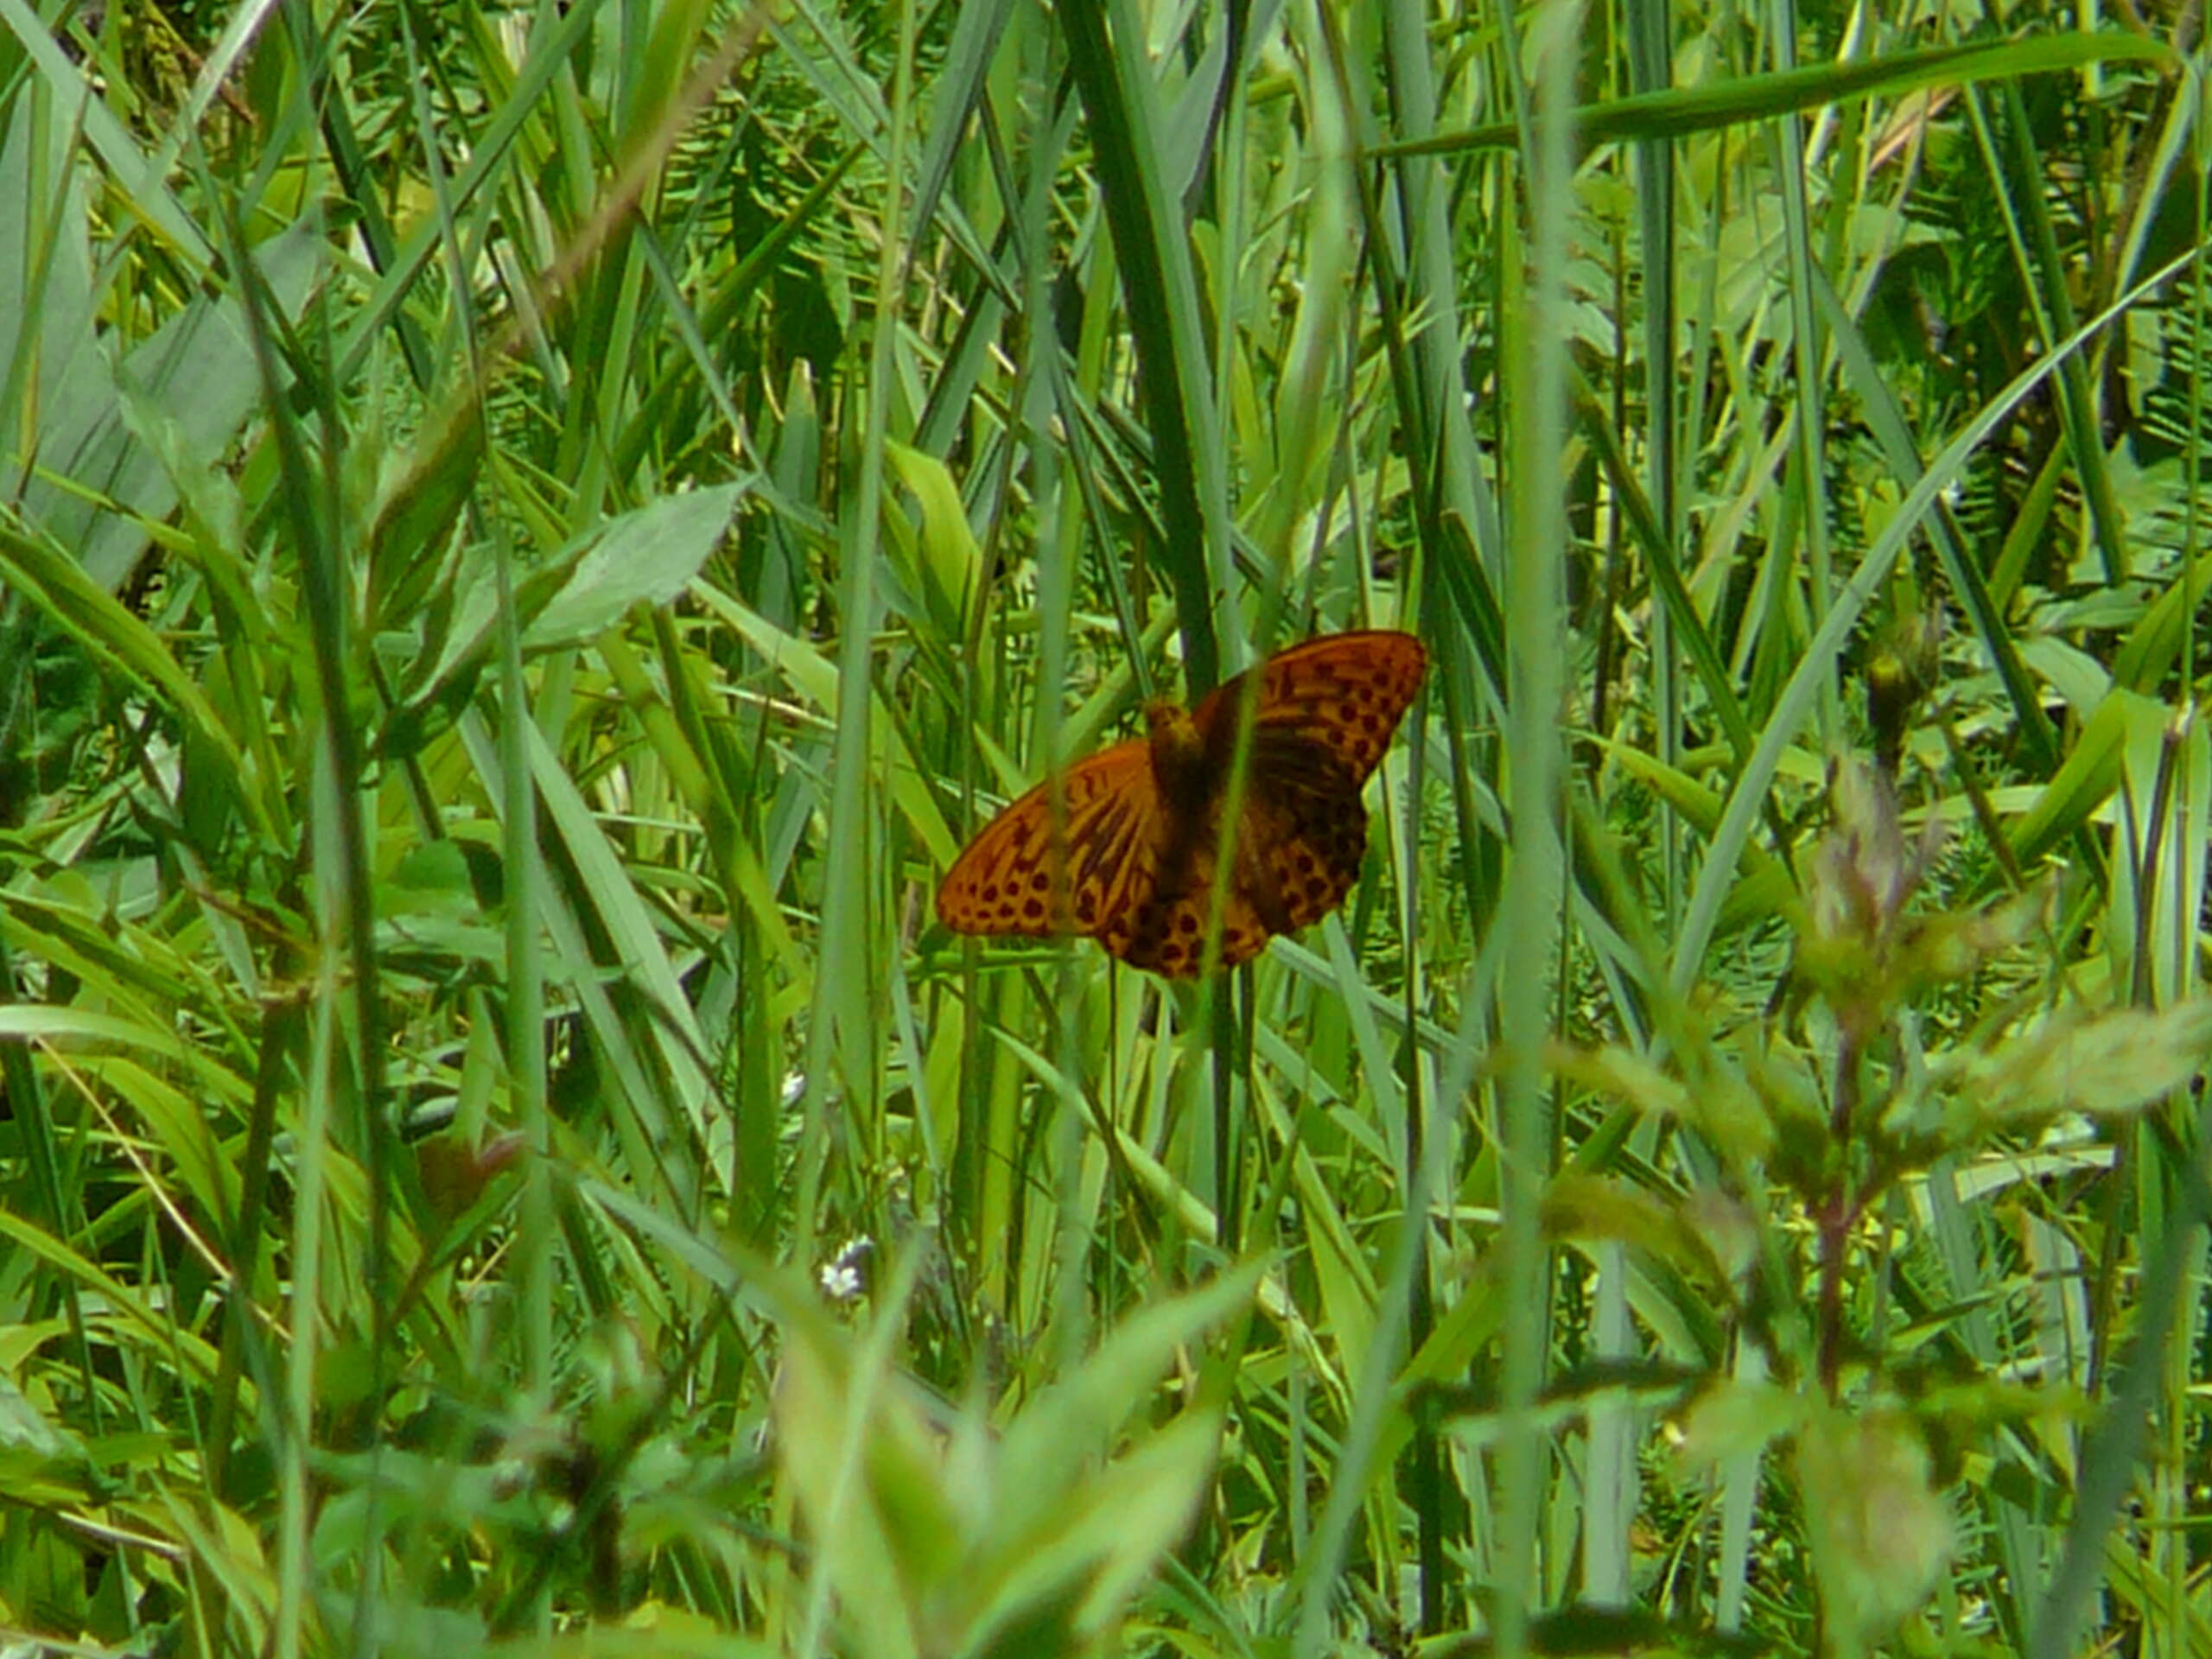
column 1295, row 861
column 1312, row 866
column 1165, row 933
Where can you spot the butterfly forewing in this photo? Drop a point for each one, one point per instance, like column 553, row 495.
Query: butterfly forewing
column 1020, row 877
column 1343, row 695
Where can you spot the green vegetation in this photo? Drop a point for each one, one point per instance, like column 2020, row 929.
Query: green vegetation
column 533, row 535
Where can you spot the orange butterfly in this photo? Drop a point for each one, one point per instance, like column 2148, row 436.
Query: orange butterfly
column 1133, row 864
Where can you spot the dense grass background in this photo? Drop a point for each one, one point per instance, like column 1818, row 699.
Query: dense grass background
column 533, row 535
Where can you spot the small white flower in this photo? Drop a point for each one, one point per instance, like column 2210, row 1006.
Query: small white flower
column 843, row 1280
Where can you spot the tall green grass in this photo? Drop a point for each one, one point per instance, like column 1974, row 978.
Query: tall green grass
column 533, row 537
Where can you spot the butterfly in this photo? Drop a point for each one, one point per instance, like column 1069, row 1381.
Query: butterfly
column 1133, row 862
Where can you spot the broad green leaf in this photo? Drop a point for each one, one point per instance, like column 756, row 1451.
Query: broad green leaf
column 951, row 563
column 2087, row 777
column 644, row 557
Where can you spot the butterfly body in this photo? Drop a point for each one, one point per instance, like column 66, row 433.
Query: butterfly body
column 1131, row 856
column 1182, row 770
